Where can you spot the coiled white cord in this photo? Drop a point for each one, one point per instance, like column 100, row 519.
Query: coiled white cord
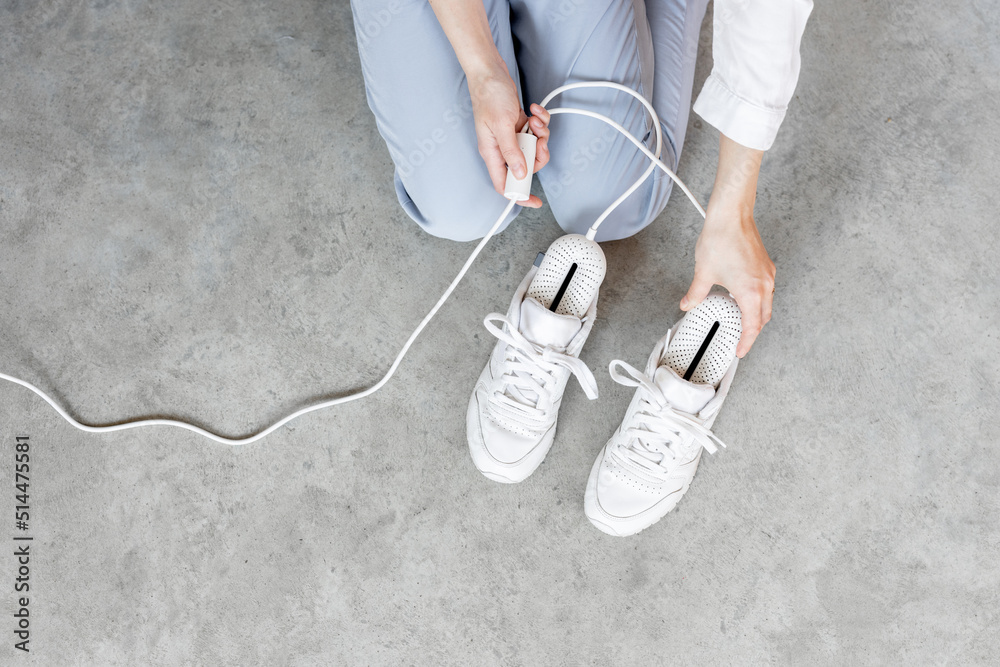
column 655, row 161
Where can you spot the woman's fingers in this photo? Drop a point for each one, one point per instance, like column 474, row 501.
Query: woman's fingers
column 495, row 165
column 767, row 304
column 755, row 299
column 511, row 152
column 750, row 308
column 539, row 125
column 541, row 113
column 539, row 129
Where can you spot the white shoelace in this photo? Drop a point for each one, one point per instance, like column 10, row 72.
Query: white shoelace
column 656, row 435
column 529, row 369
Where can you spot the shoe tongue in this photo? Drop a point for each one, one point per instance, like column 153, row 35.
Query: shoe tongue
column 686, row 396
column 543, row 327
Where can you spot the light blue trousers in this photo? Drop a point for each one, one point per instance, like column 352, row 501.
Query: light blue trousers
column 420, row 99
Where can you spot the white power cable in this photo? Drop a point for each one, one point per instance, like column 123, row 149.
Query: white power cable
column 655, row 162
column 310, row 408
column 654, row 157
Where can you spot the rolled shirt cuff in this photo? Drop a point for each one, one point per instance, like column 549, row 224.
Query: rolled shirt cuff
column 744, row 122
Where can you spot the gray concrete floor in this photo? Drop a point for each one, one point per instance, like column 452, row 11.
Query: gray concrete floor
column 198, row 221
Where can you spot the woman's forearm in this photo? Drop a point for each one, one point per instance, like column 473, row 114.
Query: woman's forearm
column 730, row 251
column 465, row 24
column 735, row 188
column 496, row 104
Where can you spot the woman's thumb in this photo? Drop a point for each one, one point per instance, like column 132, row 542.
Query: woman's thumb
column 699, row 289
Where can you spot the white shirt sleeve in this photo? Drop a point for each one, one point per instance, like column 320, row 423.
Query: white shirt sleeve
column 756, row 53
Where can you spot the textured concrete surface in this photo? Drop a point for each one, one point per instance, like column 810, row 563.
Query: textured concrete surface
column 198, row 221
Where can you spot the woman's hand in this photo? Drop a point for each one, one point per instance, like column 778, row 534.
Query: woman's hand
column 498, row 117
column 495, row 103
column 729, row 251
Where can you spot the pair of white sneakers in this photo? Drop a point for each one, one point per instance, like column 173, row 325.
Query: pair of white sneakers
column 648, row 463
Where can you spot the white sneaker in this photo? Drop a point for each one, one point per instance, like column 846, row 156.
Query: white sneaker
column 511, row 421
column 649, row 462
